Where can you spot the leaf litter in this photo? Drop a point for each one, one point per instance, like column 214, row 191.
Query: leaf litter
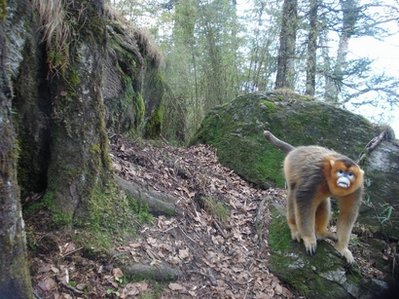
column 219, row 257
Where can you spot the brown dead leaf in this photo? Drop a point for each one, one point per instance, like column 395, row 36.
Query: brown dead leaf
column 135, row 245
column 133, row 289
column 263, row 296
column 47, row 284
column 278, row 289
column 184, row 253
column 152, row 241
column 176, row 287
column 117, row 273
column 45, row 268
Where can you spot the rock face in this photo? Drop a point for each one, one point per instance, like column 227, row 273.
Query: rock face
column 133, row 86
column 380, row 209
column 14, row 275
column 102, row 79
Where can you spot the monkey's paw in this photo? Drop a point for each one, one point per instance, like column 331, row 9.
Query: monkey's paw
column 326, row 235
column 345, row 252
column 310, row 244
column 295, row 236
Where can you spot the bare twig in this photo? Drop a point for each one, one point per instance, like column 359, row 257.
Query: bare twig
column 71, row 288
column 71, row 252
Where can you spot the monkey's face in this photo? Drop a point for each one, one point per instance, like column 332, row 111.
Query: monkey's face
column 345, row 177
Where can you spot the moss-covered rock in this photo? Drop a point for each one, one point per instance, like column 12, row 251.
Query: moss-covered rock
column 235, row 130
column 322, row 275
column 380, row 210
column 79, row 162
column 133, row 87
column 14, row 275
column 103, row 80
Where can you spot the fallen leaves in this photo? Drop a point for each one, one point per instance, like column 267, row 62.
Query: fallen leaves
column 219, row 259
column 229, row 251
column 47, row 284
column 131, row 290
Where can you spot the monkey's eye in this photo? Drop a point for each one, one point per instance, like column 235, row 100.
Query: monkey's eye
column 350, row 174
column 340, row 172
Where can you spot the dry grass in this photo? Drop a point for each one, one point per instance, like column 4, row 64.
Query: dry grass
column 56, row 31
column 143, row 38
column 147, row 46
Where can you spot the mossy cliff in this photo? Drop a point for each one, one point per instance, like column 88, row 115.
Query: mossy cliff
column 236, row 131
column 78, row 75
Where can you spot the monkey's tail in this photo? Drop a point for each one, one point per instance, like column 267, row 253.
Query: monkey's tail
column 284, row 146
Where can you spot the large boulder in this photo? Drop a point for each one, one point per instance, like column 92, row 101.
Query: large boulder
column 235, row 130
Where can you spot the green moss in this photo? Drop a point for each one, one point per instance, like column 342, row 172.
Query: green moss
column 127, row 112
column 73, row 78
column 140, row 208
column 59, row 217
column 3, row 9
column 95, row 149
column 271, row 107
column 310, row 276
column 241, row 146
column 57, row 59
column 112, row 217
column 133, row 134
column 154, row 124
column 140, row 109
column 279, row 236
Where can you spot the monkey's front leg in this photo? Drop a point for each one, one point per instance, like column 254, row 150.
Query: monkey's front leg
column 347, row 216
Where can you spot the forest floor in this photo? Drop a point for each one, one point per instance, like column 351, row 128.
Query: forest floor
column 214, row 244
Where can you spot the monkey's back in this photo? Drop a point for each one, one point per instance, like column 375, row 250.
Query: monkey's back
column 305, row 162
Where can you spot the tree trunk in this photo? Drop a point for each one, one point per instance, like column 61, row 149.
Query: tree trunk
column 286, row 53
column 14, row 273
column 312, row 48
column 334, row 80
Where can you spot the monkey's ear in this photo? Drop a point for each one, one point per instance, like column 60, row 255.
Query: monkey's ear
column 332, row 163
column 362, row 171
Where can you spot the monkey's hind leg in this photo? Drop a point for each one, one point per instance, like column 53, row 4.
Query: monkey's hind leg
column 305, row 213
column 291, row 216
column 323, row 214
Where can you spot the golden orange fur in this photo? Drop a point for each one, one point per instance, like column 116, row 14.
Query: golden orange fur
column 313, row 175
